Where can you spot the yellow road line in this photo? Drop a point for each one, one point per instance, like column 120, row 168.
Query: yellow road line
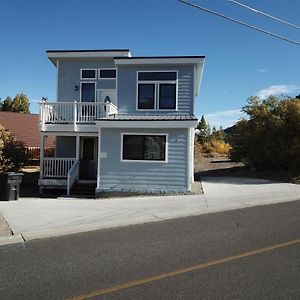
column 183, row 270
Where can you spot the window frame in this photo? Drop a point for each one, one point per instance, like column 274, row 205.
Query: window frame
column 95, row 85
column 88, row 69
column 99, row 72
column 145, row 160
column 156, row 90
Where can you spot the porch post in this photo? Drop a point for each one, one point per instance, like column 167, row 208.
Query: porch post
column 189, row 159
column 42, row 147
column 192, row 153
column 77, row 147
column 75, row 115
column 99, row 158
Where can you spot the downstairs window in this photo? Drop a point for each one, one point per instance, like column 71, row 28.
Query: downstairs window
column 144, row 147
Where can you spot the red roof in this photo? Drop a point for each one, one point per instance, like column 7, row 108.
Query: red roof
column 25, row 128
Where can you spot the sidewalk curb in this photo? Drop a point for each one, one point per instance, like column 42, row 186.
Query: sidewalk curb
column 11, row 240
column 85, row 228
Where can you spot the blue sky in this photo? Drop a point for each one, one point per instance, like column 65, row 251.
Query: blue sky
column 239, row 62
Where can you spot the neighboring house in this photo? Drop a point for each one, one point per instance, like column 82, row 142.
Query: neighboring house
column 123, row 123
column 25, row 128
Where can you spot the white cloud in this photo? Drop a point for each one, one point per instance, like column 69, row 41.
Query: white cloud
column 224, row 118
column 278, row 90
column 262, row 70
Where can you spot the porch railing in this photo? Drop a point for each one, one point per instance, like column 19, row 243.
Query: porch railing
column 73, row 175
column 74, row 112
column 54, row 167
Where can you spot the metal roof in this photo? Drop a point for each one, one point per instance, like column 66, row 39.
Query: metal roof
column 118, row 117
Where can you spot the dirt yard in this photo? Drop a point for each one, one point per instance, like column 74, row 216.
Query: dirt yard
column 221, row 165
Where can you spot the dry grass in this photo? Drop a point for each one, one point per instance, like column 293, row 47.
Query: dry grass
column 213, row 147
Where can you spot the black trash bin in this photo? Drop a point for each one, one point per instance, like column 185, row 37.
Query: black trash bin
column 10, row 185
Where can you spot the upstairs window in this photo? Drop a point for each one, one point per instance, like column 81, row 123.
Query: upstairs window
column 146, row 96
column 107, row 73
column 88, row 74
column 157, row 90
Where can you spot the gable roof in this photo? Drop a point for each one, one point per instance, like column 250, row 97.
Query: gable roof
column 25, row 128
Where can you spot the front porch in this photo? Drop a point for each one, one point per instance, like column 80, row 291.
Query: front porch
column 75, row 163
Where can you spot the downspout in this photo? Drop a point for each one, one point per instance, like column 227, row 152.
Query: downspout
column 188, row 150
column 99, row 160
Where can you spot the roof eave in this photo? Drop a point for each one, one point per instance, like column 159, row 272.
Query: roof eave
column 159, row 60
column 55, row 55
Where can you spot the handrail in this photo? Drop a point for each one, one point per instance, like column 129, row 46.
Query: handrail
column 57, row 167
column 111, row 109
column 73, row 175
column 72, row 113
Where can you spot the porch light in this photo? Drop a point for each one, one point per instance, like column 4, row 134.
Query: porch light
column 76, row 88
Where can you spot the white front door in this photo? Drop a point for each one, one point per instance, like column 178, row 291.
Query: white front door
column 110, row 93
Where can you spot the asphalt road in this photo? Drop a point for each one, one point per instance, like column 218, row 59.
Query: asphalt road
column 151, row 259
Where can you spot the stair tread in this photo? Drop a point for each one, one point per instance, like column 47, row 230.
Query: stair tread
column 84, row 189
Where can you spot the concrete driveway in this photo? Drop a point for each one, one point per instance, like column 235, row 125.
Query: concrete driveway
column 39, row 217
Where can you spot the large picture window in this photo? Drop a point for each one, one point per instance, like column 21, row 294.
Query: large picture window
column 144, row 147
column 157, row 90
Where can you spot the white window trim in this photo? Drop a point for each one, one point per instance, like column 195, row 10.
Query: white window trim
column 80, row 93
column 89, row 69
column 107, row 69
column 145, row 161
column 156, row 90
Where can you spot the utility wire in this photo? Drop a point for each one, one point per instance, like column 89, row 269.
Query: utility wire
column 240, row 22
column 264, row 14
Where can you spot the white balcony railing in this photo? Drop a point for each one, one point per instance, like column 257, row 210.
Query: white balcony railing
column 72, row 113
column 54, row 167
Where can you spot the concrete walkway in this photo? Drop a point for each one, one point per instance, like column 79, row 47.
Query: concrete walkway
column 39, row 217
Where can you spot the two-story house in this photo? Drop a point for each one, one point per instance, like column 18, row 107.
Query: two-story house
column 123, row 123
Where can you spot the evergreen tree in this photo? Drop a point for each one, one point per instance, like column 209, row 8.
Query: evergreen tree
column 202, row 126
column 19, row 104
column 6, row 105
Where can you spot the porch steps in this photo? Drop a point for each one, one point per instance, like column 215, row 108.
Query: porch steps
column 84, row 188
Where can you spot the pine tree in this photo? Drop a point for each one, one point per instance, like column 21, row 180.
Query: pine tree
column 202, row 126
column 19, row 104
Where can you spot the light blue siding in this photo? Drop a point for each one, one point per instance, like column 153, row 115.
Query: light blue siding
column 127, row 89
column 65, row 146
column 69, row 76
column 117, row 175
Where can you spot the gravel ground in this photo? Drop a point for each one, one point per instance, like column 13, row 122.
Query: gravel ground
column 4, row 229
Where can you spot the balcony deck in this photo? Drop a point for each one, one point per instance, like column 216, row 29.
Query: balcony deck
column 73, row 116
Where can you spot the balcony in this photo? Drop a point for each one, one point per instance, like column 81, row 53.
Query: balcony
column 71, row 115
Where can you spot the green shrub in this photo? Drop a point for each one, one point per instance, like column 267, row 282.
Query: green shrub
column 271, row 136
column 12, row 153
